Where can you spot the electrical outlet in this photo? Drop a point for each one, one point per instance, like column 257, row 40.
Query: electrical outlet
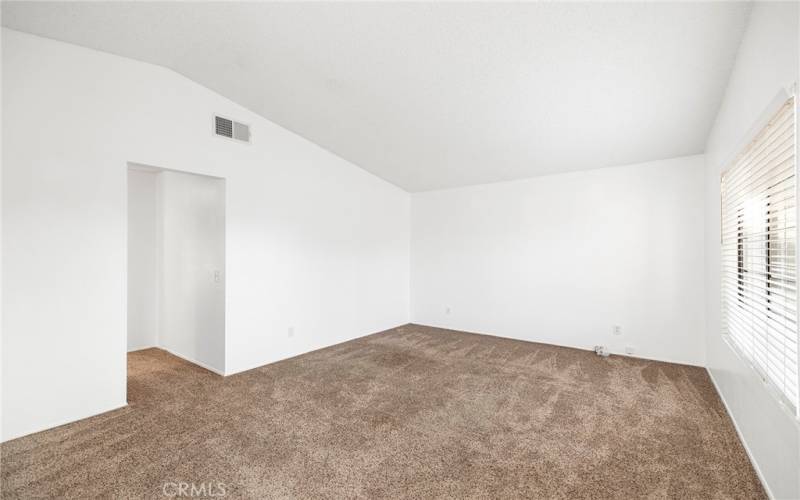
column 291, row 331
column 447, row 310
column 617, row 330
column 630, row 350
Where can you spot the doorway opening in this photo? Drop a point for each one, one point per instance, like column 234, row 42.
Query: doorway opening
column 176, row 264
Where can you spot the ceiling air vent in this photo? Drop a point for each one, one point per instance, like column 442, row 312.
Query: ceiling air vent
column 225, row 127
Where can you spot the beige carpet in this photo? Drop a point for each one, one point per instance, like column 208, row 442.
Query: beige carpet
column 413, row 412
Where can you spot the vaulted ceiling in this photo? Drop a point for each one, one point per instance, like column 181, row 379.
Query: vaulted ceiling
column 435, row 95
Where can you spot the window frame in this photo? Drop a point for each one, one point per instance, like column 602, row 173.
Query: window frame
column 791, row 408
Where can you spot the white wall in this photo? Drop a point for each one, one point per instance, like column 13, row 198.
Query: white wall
column 767, row 61
column 312, row 242
column 2, row 369
column 191, row 268
column 143, row 243
column 561, row 259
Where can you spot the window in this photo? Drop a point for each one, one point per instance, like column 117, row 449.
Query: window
column 759, row 272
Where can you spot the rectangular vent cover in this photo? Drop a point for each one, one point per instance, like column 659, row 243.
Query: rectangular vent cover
column 232, row 130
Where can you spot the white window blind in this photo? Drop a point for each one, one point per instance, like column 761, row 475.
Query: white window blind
column 759, row 272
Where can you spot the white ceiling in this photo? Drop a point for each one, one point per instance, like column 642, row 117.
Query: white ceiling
column 434, row 95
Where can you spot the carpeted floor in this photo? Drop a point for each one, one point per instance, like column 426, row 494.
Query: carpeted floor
column 413, row 412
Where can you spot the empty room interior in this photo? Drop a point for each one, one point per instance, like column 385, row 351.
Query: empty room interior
column 476, row 250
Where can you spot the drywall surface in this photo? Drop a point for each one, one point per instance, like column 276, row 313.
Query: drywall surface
column 562, row 259
column 2, row 368
column 767, row 62
column 441, row 94
column 192, row 268
column 143, row 243
column 313, row 243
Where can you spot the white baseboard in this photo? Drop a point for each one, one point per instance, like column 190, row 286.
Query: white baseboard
column 614, row 352
column 59, row 423
column 193, row 361
column 142, row 348
column 659, row 359
column 259, row 364
column 266, row 362
column 741, row 437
